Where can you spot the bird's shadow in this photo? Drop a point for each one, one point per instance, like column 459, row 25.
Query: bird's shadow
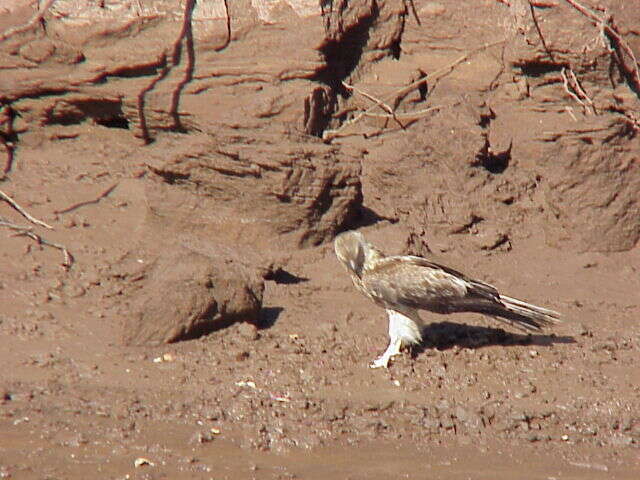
column 268, row 317
column 367, row 217
column 446, row 335
column 282, row 276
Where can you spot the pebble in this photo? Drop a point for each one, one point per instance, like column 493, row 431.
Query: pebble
column 432, row 9
column 248, row 331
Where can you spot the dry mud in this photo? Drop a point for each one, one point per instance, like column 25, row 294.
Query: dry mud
column 197, row 159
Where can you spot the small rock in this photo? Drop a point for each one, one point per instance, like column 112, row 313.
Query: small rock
column 139, row 462
column 327, row 328
column 532, row 437
column 609, row 346
column 242, row 356
column 248, row 331
column 439, row 370
column 584, row 331
column 432, row 9
column 201, row 437
column 92, row 278
column 461, row 414
column 70, row 223
column 622, row 440
column 74, row 291
column 490, row 239
column 447, row 422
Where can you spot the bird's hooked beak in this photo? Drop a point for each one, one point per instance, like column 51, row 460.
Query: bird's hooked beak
column 350, row 250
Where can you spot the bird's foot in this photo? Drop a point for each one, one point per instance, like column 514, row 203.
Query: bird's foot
column 383, row 360
column 380, row 362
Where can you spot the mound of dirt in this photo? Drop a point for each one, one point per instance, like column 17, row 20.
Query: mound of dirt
column 188, row 295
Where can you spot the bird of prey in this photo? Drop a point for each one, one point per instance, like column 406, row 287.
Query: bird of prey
column 405, row 284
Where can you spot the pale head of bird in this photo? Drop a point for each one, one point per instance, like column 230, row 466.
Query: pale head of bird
column 354, row 251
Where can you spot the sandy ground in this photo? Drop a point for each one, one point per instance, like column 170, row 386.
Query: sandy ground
column 291, row 396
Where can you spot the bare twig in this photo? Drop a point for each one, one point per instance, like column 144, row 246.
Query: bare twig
column 409, row 115
column 618, row 44
column 328, row 135
column 186, row 34
column 569, row 110
column 537, row 25
column 580, row 91
column 568, row 88
column 88, row 202
column 37, row 18
column 9, row 147
column 7, row 116
column 22, row 211
column 415, row 12
column 228, row 24
column 22, row 230
column 375, row 100
column 164, row 71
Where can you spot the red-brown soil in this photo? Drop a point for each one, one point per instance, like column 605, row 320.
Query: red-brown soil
column 518, row 163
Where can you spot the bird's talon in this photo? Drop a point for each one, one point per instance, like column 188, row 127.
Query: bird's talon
column 381, row 362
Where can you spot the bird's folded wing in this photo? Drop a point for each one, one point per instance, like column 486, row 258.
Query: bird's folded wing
column 416, row 283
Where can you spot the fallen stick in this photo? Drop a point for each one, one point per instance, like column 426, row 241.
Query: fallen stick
column 6, row 137
column 22, row 230
column 228, row 25
column 30, row 24
column 75, row 206
column 161, row 64
column 609, row 29
column 407, row 115
column 329, row 135
column 377, row 101
column 22, row 211
column 539, row 30
column 567, row 88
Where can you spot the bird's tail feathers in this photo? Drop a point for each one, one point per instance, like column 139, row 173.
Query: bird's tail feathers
column 525, row 315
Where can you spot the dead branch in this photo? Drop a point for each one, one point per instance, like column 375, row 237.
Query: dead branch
column 435, row 76
column 375, row 100
column 37, row 18
column 415, row 12
column 9, row 147
column 186, row 34
column 568, row 88
column 22, row 211
column 569, row 110
column 7, row 116
column 408, row 115
column 22, row 230
column 580, row 91
column 537, row 25
column 75, row 206
column 228, row 25
column 142, row 118
column 618, row 44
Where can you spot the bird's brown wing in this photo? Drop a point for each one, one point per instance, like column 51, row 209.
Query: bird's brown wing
column 415, row 282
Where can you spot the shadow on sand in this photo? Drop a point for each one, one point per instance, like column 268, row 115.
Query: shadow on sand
column 445, row 335
column 268, row 317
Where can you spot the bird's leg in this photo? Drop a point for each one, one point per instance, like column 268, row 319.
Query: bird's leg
column 392, row 350
column 395, row 342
